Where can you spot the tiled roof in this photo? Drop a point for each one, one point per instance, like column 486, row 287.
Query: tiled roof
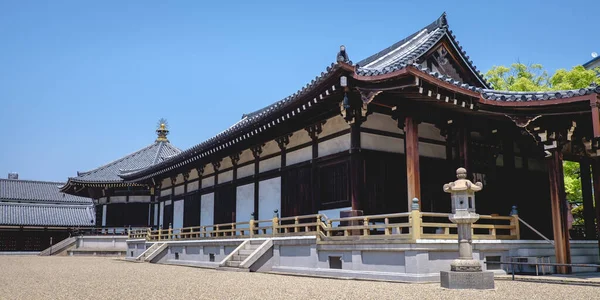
column 28, row 214
column 509, row 96
column 409, row 50
column 37, row 191
column 146, row 157
column 242, row 129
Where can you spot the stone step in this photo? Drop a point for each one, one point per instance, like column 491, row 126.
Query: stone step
column 246, row 252
column 239, row 257
column 256, row 242
column 233, row 264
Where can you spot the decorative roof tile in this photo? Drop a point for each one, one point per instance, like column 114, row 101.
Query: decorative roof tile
column 37, row 192
column 509, row 96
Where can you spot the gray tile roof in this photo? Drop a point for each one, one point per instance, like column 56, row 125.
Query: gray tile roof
column 409, row 50
column 28, row 214
column 37, row 192
column 144, row 158
column 509, row 96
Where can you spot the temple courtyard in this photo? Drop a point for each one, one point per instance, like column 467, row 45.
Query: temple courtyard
column 33, row 277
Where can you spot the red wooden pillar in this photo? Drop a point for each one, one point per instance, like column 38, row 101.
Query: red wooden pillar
column 464, row 138
column 562, row 246
column 413, row 176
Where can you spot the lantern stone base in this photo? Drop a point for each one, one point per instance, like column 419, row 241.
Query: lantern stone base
column 467, row 280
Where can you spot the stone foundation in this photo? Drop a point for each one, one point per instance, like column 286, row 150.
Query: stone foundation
column 467, row 280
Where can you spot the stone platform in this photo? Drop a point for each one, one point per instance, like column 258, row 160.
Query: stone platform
column 467, row 280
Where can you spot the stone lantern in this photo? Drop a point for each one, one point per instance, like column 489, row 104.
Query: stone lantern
column 465, row 272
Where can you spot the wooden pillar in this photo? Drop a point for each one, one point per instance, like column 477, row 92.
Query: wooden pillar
column 596, row 177
column 357, row 182
column 256, row 152
column 464, row 139
column 588, row 200
column 411, row 140
column 557, row 202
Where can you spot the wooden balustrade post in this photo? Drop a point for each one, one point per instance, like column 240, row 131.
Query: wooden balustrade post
column 514, row 223
column 216, row 230
column 318, row 226
column 416, row 220
column 233, row 229
column 366, row 224
column 387, row 230
column 329, row 227
column 251, row 225
column 296, row 223
column 274, row 224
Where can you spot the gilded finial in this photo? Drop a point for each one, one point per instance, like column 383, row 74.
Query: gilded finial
column 162, row 131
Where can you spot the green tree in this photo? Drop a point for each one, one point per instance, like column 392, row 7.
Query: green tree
column 522, row 78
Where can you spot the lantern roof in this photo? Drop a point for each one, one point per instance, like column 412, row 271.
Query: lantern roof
column 462, row 183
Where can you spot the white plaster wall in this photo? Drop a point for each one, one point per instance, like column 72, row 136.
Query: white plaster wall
column 381, row 143
column 162, row 213
column 179, row 178
column 104, row 215
column 180, row 189
column 139, row 199
column 432, row 150
column 427, row 130
column 226, row 176
column 298, row 138
column 244, row 202
column 208, row 169
column 245, row 171
column 335, row 145
column 245, row 156
column 226, row 163
column 168, row 202
column 192, row 186
column 118, row 199
column 333, row 125
column 269, row 198
column 165, row 192
column 270, row 148
column 166, row 182
column 269, row 164
column 207, row 209
column 208, row 181
column 381, row 122
column 193, row 174
column 178, row 214
column 299, row 156
column 102, row 200
column 156, row 209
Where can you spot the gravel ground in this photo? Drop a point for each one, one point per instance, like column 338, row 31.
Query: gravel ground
column 26, row 277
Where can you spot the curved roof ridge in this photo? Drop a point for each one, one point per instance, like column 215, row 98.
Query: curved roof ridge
column 518, row 96
column 84, row 173
column 33, row 181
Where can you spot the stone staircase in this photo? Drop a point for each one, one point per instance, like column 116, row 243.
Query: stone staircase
column 151, row 252
column 59, row 247
column 244, row 255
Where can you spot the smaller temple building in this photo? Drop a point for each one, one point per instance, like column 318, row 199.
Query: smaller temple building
column 35, row 214
column 120, row 204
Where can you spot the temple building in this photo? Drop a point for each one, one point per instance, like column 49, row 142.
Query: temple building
column 119, row 203
column 377, row 140
column 35, row 214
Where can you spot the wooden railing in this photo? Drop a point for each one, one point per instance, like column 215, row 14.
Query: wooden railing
column 401, row 227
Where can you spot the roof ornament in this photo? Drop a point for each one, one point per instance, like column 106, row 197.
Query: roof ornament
column 342, row 56
column 162, row 130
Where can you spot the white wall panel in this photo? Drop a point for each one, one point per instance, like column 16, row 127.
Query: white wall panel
column 166, row 183
column 165, row 192
column 244, row 203
column 270, row 148
column 333, row 125
column 269, row 197
column 245, row 171
column 299, row 156
column 118, row 199
column 246, row 156
column 208, row 181
column 381, row 143
column 207, row 209
column 104, row 215
column 335, row 145
column 427, row 130
column 162, row 214
column 298, row 138
column 139, row 199
column 180, row 189
column 269, row 164
column 432, row 150
column 178, row 214
column 226, row 176
column 381, row 122
column 192, row 186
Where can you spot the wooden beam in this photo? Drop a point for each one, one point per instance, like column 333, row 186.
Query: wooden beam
column 411, row 141
column 557, row 201
column 595, row 117
column 357, row 183
column 588, row 199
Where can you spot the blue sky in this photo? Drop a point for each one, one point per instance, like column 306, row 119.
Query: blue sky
column 83, row 83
